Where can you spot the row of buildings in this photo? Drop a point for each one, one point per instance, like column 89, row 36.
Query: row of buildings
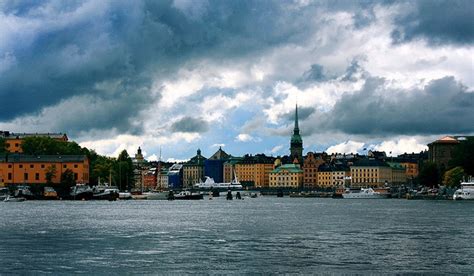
column 297, row 171
column 310, row 171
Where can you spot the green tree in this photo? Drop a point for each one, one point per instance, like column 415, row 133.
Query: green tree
column 463, row 156
column 67, row 178
column 50, row 174
column 429, row 175
column 123, row 168
column 453, row 177
column 50, row 146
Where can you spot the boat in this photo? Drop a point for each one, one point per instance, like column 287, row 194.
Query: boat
column 4, row 193
column 125, row 195
column 188, row 195
column 364, row 193
column 14, row 199
column 105, row 192
column 24, row 191
column 466, row 192
column 157, row 195
column 80, row 192
column 210, row 184
column 49, row 193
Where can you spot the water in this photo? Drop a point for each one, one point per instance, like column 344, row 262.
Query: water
column 262, row 235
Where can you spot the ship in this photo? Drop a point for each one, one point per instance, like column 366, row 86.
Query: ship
column 105, row 192
column 210, row 184
column 466, row 191
column 80, row 192
column 364, row 193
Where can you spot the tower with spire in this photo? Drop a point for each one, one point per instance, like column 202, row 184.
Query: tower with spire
column 296, row 143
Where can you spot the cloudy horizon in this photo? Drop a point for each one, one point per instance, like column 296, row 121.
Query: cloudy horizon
column 181, row 75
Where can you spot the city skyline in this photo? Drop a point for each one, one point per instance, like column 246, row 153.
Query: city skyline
column 183, row 75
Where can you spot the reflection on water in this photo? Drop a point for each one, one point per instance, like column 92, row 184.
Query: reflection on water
column 262, row 235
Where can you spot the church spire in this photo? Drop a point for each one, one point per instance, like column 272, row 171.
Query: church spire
column 296, row 130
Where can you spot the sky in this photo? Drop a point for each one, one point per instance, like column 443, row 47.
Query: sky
column 187, row 74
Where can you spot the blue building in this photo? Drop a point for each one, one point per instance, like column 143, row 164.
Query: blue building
column 175, row 176
column 214, row 166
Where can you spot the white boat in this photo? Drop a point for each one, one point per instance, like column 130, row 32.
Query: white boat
column 364, row 193
column 4, row 193
column 157, row 195
column 14, row 199
column 211, row 184
column 466, row 191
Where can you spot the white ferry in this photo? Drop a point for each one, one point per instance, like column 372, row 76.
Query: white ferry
column 364, row 193
column 211, row 184
column 466, row 191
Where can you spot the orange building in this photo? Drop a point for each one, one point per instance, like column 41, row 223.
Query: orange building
column 13, row 140
column 310, row 169
column 254, row 170
column 29, row 169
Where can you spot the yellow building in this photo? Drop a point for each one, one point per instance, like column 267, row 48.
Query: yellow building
column 254, row 170
column 28, row 169
column 370, row 173
column 399, row 176
column 229, row 168
column 13, row 140
column 331, row 176
column 286, row 176
column 193, row 171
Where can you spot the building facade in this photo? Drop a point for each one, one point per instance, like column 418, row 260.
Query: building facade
column 193, row 170
column 254, row 170
column 175, row 176
column 440, row 151
column 310, row 169
column 370, row 173
column 214, row 166
column 288, row 176
column 333, row 176
column 27, row 169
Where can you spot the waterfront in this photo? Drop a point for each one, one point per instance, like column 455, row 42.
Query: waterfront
column 262, row 235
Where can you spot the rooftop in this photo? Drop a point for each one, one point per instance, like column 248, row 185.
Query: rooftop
column 22, row 158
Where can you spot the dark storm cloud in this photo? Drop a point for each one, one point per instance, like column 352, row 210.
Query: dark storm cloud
column 190, row 124
column 78, row 46
column 303, row 113
column 443, row 106
column 439, row 22
column 315, row 73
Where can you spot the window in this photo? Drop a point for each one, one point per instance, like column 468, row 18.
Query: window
column 75, row 166
column 25, row 176
column 37, row 176
column 64, row 166
column 42, row 166
column 32, row 166
column 16, row 145
column 10, row 166
column 21, row 166
column 75, row 176
column 9, row 176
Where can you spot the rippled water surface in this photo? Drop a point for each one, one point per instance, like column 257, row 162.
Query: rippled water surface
column 262, row 235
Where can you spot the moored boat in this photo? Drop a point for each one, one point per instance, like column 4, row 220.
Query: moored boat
column 81, row 192
column 157, row 195
column 188, row 195
column 364, row 193
column 14, row 199
column 466, row 192
column 104, row 192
